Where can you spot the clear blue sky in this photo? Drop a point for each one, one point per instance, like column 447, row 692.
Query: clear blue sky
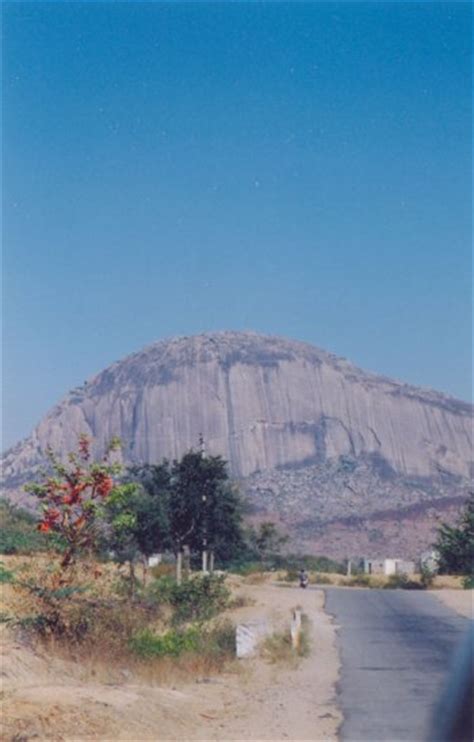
column 300, row 169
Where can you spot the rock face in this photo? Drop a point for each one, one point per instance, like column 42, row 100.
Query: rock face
column 266, row 404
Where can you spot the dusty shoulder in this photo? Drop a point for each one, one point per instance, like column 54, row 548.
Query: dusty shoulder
column 460, row 601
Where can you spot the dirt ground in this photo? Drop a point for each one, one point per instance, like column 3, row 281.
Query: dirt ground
column 46, row 698
column 460, row 601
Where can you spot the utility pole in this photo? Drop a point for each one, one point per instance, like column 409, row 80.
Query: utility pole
column 202, row 446
column 204, row 538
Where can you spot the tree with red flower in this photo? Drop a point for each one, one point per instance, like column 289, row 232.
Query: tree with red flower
column 72, row 494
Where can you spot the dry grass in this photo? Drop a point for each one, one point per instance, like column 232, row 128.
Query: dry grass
column 372, row 581
column 257, row 578
column 241, row 601
column 278, row 648
column 452, row 582
column 102, row 652
column 101, row 665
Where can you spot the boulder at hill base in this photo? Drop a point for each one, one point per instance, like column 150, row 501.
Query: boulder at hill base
column 347, row 461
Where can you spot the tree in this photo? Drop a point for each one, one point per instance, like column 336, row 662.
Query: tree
column 136, row 518
column 206, row 511
column 187, row 504
column 455, row 544
column 71, row 497
column 268, row 540
column 120, row 529
column 225, row 535
column 151, row 507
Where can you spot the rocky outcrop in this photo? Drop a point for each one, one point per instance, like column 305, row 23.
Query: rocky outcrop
column 265, row 403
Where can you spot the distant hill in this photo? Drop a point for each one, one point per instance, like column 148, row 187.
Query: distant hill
column 337, row 455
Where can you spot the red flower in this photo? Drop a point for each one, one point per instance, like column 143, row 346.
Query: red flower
column 44, row 527
column 105, row 486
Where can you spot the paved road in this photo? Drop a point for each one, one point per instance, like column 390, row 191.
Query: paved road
column 396, row 649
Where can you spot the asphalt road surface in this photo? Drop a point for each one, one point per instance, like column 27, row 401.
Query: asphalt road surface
column 397, row 647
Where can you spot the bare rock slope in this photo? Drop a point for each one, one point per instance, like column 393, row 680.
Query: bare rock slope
column 268, row 405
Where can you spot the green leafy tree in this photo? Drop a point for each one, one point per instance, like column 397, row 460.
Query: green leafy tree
column 136, row 517
column 224, row 527
column 120, row 527
column 184, row 505
column 205, row 509
column 455, row 544
column 189, row 504
column 268, row 541
column 151, row 507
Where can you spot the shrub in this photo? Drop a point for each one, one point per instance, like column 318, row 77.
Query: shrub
column 357, row 581
column 278, row 647
column 427, row 577
column 401, row 581
column 296, row 562
column 18, row 532
column 455, row 544
column 160, row 590
column 5, row 574
column 246, row 568
column 292, row 575
column 361, row 581
column 241, row 601
column 216, row 643
column 196, row 599
column 468, row 582
column 199, row 598
column 147, row 645
column 164, row 569
column 320, row 579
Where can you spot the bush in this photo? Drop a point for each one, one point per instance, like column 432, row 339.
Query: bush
column 320, row 579
column 197, row 599
column 246, row 568
column 147, row 645
column 291, row 575
column 455, row 544
column 216, row 643
column 5, row 574
column 278, row 647
column 164, row 569
column 18, row 532
column 357, row 581
column 401, row 581
column 427, row 577
column 468, row 582
column 296, row 562
column 219, row 642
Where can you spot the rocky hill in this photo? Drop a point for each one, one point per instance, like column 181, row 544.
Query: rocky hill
column 316, row 442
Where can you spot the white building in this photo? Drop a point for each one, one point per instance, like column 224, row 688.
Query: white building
column 388, row 567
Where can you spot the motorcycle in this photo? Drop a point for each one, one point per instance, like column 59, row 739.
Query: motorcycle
column 304, row 581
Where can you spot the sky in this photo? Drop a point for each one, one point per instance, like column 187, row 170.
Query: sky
column 298, row 169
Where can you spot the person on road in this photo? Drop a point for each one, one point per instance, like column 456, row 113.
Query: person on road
column 303, row 577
